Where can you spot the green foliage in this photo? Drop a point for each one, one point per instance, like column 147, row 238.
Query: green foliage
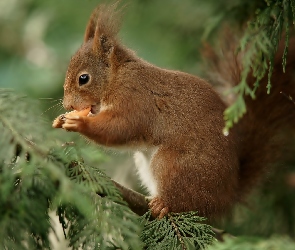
column 36, row 179
column 108, row 217
column 176, row 231
column 254, row 243
column 258, row 46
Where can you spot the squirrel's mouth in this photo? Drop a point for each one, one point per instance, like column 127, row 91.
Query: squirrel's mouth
column 94, row 110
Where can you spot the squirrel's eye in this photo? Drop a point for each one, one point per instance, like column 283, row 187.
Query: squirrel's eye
column 83, row 79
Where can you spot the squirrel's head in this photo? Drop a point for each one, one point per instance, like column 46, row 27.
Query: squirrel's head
column 90, row 68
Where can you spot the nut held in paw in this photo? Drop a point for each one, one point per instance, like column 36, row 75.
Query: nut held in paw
column 60, row 120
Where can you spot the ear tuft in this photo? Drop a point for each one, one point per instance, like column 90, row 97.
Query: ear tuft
column 104, row 21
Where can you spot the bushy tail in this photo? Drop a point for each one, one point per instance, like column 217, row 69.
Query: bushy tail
column 268, row 127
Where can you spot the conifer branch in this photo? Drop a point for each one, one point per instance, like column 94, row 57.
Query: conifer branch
column 138, row 203
column 259, row 45
column 177, row 232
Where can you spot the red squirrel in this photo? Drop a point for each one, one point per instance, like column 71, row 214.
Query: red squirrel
column 173, row 121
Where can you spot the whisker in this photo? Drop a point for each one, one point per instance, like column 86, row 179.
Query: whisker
column 60, row 109
column 50, row 99
column 56, row 105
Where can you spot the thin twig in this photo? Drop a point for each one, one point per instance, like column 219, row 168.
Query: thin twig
column 177, row 232
column 137, row 202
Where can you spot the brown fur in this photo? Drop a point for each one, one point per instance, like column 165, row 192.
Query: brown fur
column 195, row 166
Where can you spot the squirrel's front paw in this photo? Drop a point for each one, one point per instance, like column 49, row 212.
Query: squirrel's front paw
column 158, row 208
column 59, row 121
column 74, row 122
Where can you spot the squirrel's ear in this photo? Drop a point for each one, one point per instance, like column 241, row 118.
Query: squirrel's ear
column 102, row 27
column 91, row 26
column 103, row 44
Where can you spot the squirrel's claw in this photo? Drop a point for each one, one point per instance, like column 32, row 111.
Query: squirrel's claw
column 58, row 122
column 158, row 208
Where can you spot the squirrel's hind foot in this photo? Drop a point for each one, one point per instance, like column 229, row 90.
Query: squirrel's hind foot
column 158, row 208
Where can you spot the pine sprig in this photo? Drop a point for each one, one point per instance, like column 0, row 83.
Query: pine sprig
column 259, row 45
column 24, row 191
column 108, row 217
column 176, row 231
column 79, row 171
column 35, row 180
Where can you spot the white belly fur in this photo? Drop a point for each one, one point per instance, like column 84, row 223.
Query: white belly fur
column 142, row 161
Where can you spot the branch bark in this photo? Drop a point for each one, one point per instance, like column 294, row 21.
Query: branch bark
column 137, row 202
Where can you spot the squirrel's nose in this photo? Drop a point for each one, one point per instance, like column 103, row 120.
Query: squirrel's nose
column 67, row 106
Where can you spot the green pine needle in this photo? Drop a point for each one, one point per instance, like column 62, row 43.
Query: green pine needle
column 176, row 231
column 259, row 46
column 37, row 177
